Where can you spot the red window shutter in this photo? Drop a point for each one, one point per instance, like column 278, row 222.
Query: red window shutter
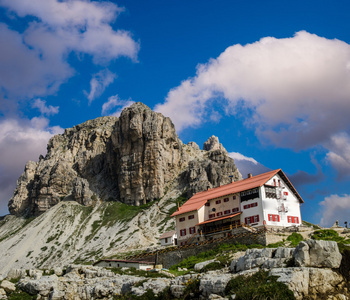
column 298, row 220
column 278, row 218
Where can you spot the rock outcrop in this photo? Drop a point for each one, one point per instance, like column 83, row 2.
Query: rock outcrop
column 91, row 282
column 135, row 158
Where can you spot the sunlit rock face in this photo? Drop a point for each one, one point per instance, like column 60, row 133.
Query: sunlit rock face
column 135, row 158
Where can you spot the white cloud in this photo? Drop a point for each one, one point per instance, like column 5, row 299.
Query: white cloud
column 34, row 63
column 16, row 135
column 99, row 82
column 339, row 154
column 238, row 156
column 294, row 91
column 44, row 109
column 247, row 164
column 113, row 102
column 334, row 208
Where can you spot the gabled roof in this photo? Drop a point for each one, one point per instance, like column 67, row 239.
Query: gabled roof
column 199, row 199
column 167, row 234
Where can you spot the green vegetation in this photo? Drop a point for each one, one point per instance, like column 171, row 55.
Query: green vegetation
column 295, row 239
column 327, row 235
column 149, row 295
column 311, row 225
column 219, row 253
column 135, row 272
column 258, row 286
column 54, row 237
column 20, row 295
column 117, row 211
column 331, row 235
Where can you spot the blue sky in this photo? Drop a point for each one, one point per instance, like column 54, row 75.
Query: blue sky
column 271, row 79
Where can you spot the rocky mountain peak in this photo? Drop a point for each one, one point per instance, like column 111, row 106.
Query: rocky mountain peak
column 213, row 144
column 135, row 158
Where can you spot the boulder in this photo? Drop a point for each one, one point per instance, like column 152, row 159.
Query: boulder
column 216, row 284
column 8, row 286
column 16, row 273
column 201, row 265
column 157, row 285
column 42, row 286
column 305, row 282
column 317, row 253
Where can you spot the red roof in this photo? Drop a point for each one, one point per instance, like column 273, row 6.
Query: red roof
column 219, row 219
column 199, row 199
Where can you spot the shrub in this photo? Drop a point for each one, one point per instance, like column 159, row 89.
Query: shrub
column 295, row 239
column 327, row 235
column 212, row 266
column 258, row 286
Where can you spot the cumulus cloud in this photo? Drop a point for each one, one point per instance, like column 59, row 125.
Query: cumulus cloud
column 239, row 156
column 99, row 82
column 34, row 62
column 44, row 109
column 247, row 164
column 112, row 103
column 15, row 136
column 334, row 208
column 339, row 154
column 294, row 91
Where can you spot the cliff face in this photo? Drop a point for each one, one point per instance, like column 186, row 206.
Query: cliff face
column 135, row 158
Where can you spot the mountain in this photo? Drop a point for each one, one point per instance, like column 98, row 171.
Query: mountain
column 105, row 186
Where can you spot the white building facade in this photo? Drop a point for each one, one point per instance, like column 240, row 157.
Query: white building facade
column 267, row 199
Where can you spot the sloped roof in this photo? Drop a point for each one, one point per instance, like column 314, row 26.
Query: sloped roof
column 199, row 199
column 219, row 219
column 167, row 234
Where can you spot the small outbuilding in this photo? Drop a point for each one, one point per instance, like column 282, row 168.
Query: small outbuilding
column 168, row 238
column 121, row 263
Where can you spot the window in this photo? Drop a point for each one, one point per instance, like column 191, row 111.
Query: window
column 181, row 219
column 166, row 240
column 182, row 232
column 183, row 243
column 218, row 201
column 285, row 193
column 226, row 200
column 274, row 182
column 219, row 214
column 226, row 212
column 191, row 217
column 192, row 230
column 207, row 204
column 250, row 205
column 235, row 209
column 234, row 197
column 279, row 183
column 274, row 218
column 293, row 220
column 249, row 194
column 252, row 219
column 211, row 216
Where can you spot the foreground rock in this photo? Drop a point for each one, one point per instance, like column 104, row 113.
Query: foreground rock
column 88, row 282
column 133, row 159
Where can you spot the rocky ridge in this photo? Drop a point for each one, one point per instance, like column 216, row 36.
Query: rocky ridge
column 317, row 276
column 134, row 159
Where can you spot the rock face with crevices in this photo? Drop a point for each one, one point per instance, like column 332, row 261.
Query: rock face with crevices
column 135, row 158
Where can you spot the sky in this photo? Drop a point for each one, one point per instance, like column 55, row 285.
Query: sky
column 271, row 79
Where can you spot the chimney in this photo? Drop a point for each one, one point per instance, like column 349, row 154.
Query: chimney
column 250, row 175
